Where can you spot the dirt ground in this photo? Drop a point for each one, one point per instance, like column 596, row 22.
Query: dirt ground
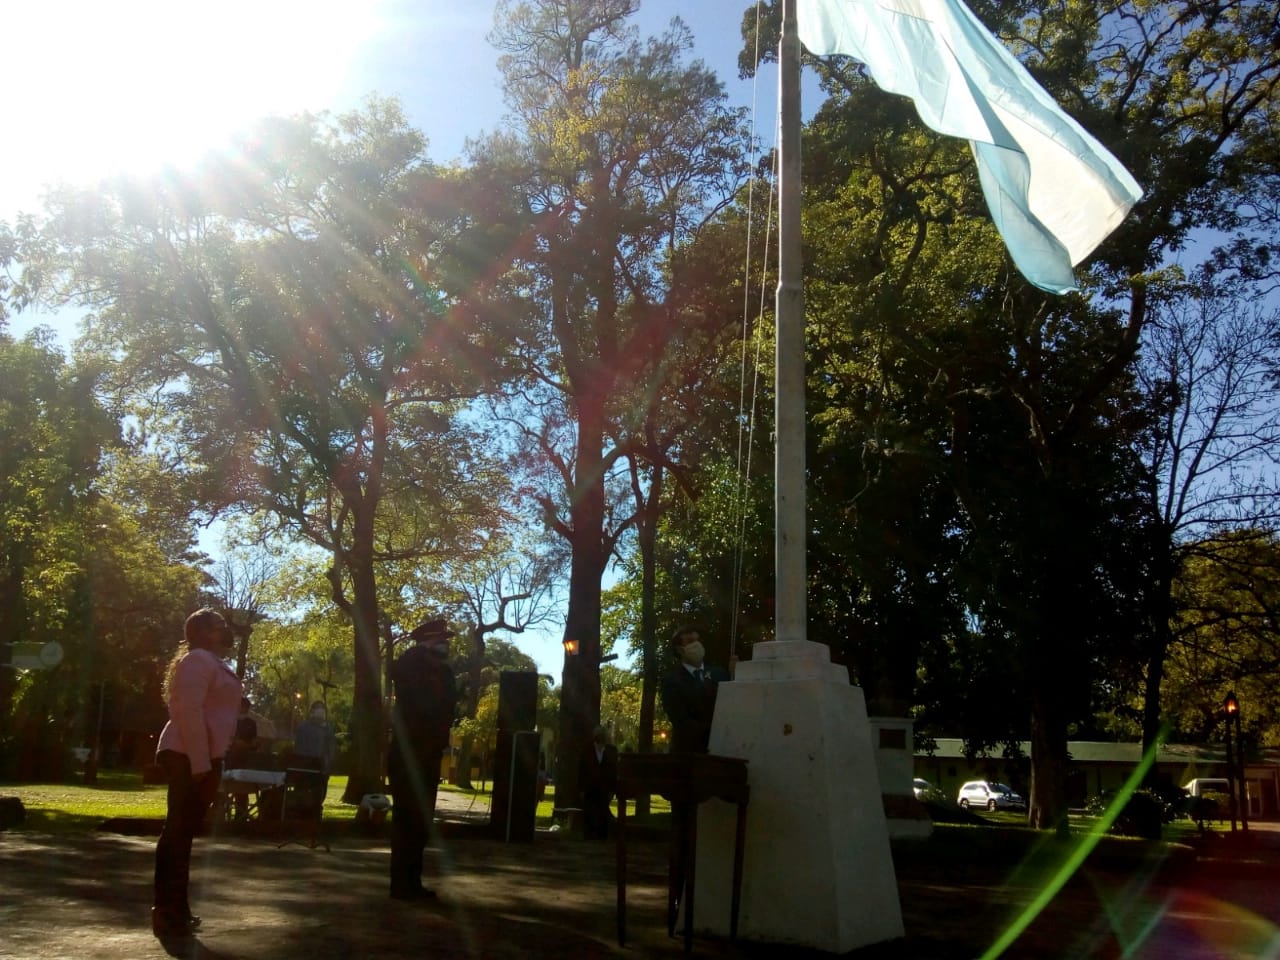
column 88, row 897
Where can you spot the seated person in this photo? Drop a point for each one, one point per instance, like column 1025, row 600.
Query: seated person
column 242, row 747
column 246, row 736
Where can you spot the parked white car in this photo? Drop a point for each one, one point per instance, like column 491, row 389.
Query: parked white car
column 1202, row 785
column 991, row 795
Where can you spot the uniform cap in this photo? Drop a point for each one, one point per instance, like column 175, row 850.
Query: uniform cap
column 431, row 630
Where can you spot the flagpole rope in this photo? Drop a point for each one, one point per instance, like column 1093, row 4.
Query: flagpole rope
column 746, row 420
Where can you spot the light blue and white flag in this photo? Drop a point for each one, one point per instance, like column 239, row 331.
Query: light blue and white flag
column 1054, row 192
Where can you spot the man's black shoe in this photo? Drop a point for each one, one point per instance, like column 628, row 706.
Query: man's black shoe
column 167, row 923
column 414, row 893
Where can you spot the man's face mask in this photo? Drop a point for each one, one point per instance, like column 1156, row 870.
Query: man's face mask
column 318, row 715
column 692, row 653
column 440, row 649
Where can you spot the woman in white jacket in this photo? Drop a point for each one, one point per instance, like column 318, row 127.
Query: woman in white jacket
column 204, row 699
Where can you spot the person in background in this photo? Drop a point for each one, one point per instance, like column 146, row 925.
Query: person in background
column 543, row 777
column 598, row 779
column 425, row 699
column 203, row 696
column 246, row 737
column 689, row 692
column 315, row 740
column 243, row 744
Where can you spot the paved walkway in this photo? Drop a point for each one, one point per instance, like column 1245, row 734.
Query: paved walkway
column 87, row 896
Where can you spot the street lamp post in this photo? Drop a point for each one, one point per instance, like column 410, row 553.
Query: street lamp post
column 1231, row 707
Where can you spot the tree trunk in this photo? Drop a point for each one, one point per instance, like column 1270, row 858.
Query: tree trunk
column 13, row 628
column 462, row 767
column 475, row 670
column 1161, row 639
column 368, row 723
column 1053, row 683
column 580, row 693
column 646, row 526
column 1047, row 808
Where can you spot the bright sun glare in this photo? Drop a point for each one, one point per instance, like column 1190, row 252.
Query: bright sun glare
column 94, row 88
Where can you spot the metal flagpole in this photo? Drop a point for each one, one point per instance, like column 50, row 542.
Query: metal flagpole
column 790, row 712
column 789, row 405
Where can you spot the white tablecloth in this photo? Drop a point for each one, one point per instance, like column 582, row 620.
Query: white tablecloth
column 254, row 778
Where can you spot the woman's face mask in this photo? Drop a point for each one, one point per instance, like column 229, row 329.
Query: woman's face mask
column 692, row 653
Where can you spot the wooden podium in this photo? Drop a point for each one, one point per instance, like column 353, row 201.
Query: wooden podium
column 686, row 780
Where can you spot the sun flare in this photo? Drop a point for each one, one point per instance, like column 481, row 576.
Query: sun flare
column 96, row 88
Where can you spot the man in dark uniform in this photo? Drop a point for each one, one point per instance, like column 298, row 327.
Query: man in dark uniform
column 425, row 700
column 689, row 693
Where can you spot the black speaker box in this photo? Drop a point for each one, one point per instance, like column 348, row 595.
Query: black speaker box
column 517, row 700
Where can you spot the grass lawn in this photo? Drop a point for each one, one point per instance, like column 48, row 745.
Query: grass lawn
column 67, row 807
column 63, row 807
column 72, row 807
column 544, row 816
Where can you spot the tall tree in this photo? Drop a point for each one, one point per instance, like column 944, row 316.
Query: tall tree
column 1207, row 366
column 1183, row 93
column 1227, row 623
column 502, row 590
column 675, row 391
column 78, row 567
column 240, row 577
column 618, row 146
column 279, row 319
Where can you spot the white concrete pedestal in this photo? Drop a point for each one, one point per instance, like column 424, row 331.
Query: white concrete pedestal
column 817, row 869
column 893, row 740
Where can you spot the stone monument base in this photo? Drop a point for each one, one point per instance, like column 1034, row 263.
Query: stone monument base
column 818, row 870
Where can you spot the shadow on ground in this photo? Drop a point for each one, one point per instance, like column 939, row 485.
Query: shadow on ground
column 87, row 895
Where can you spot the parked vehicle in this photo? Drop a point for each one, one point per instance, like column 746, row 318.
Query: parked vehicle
column 920, row 787
column 1202, row 785
column 991, row 795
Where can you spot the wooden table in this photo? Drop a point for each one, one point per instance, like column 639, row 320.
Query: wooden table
column 686, row 780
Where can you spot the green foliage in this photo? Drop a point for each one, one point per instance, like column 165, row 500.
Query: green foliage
column 1227, row 596
column 287, row 664
column 1143, row 815
column 620, row 152
column 983, row 542
column 620, row 705
column 279, row 319
column 79, row 565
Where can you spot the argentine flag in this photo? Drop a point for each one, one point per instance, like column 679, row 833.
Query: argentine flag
column 1054, row 192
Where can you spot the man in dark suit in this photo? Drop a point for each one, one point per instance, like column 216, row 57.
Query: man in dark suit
column 689, row 692
column 598, row 778
column 689, row 699
column 425, row 700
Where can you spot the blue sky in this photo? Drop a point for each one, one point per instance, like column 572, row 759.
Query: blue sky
column 139, row 84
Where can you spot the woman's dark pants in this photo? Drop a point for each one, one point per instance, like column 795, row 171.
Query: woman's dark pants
column 189, row 801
